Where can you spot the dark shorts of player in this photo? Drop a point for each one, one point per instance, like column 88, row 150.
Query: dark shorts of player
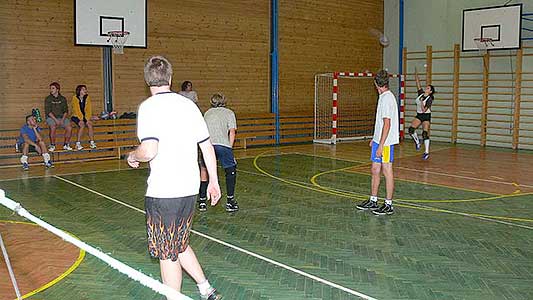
column 77, row 120
column 168, row 225
column 201, row 162
column 225, row 156
column 423, row 117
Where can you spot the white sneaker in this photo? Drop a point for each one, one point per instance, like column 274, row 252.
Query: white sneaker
column 92, row 145
column 78, row 146
column 52, row 148
column 67, row 147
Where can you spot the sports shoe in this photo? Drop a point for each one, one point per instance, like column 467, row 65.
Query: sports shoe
column 78, row 146
column 48, row 164
column 367, row 204
column 25, row 166
column 384, row 209
column 52, row 148
column 92, row 145
column 418, row 146
column 425, row 156
column 202, row 205
column 211, row 295
column 67, row 147
column 232, row 205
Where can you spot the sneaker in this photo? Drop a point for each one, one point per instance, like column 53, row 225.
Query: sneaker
column 92, row 145
column 232, row 205
column 418, row 146
column 211, row 295
column 48, row 164
column 202, row 205
column 67, row 147
column 25, row 166
column 367, row 205
column 78, row 146
column 384, row 209
column 425, row 156
column 52, row 148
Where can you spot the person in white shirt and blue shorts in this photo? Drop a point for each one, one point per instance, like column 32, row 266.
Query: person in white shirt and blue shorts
column 386, row 135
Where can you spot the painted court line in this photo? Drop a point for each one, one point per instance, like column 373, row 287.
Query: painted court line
column 466, row 177
column 266, row 259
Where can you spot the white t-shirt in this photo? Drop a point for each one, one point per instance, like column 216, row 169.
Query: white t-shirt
column 387, row 108
column 178, row 125
column 219, row 121
column 191, row 95
column 423, row 101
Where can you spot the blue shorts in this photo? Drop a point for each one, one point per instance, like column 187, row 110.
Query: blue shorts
column 225, row 156
column 388, row 154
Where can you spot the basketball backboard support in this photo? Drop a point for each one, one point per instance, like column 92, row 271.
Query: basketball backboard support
column 95, row 18
column 501, row 24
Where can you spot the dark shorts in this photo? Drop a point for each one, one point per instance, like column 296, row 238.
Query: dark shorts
column 424, row 117
column 77, row 120
column 225, row 156
column 168, row 225
column 201, row 162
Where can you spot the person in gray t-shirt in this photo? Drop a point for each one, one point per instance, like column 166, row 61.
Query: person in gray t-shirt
column 222, row 125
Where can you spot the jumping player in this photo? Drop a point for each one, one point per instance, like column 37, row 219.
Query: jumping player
column 423, row 116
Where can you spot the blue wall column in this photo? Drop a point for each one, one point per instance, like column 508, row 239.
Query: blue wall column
column 274, row 70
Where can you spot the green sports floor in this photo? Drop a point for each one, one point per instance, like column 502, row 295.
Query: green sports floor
column 298, row 234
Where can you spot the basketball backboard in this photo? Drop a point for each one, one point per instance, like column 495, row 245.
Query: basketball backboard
column 501, row 24
column 95, row 18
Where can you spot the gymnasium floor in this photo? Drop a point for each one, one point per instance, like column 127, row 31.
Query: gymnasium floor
column 463, row 227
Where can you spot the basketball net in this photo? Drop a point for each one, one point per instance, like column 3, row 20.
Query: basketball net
column 118, row 39
column 483, row 44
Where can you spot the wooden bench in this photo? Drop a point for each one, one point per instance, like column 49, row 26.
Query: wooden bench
column 114, row 138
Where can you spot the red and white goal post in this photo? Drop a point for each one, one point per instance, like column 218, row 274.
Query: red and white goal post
column 345, row 105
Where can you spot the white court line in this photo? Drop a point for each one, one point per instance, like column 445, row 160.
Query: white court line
column 313, row 277
column 464, row 177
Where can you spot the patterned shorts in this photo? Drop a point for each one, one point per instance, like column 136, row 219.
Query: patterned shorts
column 168, row 224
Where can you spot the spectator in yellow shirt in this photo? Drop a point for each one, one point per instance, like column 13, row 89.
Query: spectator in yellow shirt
column 82, row 114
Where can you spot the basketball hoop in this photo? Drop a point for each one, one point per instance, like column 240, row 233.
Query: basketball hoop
column 118, row 38
column 483, row 44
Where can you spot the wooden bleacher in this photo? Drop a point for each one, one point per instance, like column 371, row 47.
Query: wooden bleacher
column 115, row 138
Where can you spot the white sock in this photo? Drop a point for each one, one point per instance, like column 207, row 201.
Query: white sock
column 204, row 287
column 388, row 201
column 374, row 198
column 415, row 138
column 46, row 157
column 24, row 159
column 426, row 144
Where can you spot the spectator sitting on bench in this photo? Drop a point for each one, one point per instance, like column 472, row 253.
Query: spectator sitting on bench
column 56, row 111
column 82, row 114
column 31, row 140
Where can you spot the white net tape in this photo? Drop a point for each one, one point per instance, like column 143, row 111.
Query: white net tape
column 145, row 280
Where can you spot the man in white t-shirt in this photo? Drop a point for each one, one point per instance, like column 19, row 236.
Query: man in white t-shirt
column 170, row 127
column 386, row 135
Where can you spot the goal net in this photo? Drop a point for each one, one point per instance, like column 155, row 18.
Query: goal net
column 345, row 105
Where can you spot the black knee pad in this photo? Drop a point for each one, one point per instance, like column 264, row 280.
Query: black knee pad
column 411, row 130
column 231, row 171
column 425, row 135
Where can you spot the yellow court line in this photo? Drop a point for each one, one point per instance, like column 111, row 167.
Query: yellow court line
column 331, row 192
column 74, row 266
column 429, row 183
column 495, row 197
column 467, row 177
column 285, row 180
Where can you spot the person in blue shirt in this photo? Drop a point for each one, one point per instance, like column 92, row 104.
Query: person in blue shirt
column 30, row 140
